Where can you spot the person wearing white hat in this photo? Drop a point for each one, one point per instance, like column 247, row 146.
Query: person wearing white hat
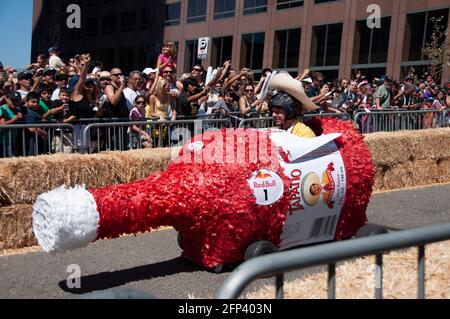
column 288, row 104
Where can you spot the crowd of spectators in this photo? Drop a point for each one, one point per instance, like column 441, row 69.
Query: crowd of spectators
column 55, row 91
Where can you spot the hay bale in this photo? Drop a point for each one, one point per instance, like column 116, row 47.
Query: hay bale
column 22, row 180
column 444, row 170
column 412, row 174
column 16, row 227
column 405, row 146
column 142, row 163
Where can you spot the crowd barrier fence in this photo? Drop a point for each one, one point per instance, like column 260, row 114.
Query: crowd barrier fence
column 24, row 140
column 392, row 121
column 114, row 134
column 276, row 265
column 119, row 136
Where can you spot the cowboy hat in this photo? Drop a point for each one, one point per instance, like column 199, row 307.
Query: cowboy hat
column 285, row 82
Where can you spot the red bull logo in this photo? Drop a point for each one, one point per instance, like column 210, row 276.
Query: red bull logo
column 263, row 175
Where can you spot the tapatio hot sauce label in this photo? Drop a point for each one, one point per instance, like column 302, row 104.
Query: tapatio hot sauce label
column 317, row 193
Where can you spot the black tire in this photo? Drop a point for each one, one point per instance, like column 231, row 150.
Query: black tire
column 370, row 230
column 180, row 241
column 260, row 248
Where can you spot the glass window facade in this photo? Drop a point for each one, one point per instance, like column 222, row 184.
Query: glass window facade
column 252, row 51
column 196, row 11
column 224, row 9
column 286, row 48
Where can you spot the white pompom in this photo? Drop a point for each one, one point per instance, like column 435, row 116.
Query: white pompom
column 65, row 219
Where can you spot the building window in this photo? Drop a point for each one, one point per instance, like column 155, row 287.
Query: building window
column 173, row 14
column 252, row 51
column 254, row 6
column 109, row 24
column 91, row 27
column 107, row 57
column 126, row 59
column 190, row 55
column 326, row 45
column 287, row 4
column 323, row 1
column 149, row 16
column 419, row 29
column 224, row 9
column 128, row 21
column 286, row 48
column 371, row 44
column 196, row 11
column 222, row 49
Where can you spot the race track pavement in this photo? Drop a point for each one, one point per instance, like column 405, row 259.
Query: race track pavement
column 151, row 263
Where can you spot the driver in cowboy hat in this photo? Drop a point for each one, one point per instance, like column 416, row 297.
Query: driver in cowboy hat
column 288, row 103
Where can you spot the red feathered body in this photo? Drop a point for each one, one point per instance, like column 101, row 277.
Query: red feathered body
column 205, row 196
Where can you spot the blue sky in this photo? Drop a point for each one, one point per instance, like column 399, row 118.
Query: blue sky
column 15, row 37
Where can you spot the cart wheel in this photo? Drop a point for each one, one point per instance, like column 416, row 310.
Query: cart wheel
column 370, row 230
column 180, row 241
column 260, row 248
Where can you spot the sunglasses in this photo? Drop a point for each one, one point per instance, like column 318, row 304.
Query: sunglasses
column 249, row 91
column 168, row 72
column 198, row 70
column 105, row 79
column 117, row 74
column 139, row 102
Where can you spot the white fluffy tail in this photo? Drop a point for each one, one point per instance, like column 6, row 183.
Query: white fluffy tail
column 65, row 219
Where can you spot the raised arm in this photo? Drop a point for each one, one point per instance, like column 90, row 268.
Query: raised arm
column 77, row 90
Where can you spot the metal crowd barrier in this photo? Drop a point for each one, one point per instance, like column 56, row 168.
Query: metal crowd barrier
column 99, row 137
column 267, row 122
column 276, row 265
column 392, row 121
column 19, row 141
column 446, row 118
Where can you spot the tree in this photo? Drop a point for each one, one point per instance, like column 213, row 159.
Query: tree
column 435, row 49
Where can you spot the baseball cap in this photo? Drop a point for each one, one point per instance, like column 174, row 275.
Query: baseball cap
column 388, row 79
column 148, row 71
column 1, row 65
column 49, row 70
column 52, row 49
column 363, row 83
column 15, row 96
column 409, row 78
column 24, row 76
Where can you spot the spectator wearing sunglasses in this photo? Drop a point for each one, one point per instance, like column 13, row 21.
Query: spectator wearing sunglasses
column 314, row 89
column 248, row 102
column 116, row 103
column 176, row 87
column 198, row 73
column 139, row 137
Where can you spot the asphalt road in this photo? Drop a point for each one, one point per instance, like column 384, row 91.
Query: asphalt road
column 151, row 263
